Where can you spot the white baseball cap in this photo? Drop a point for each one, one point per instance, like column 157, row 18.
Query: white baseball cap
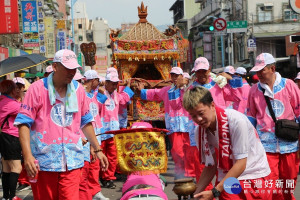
column 262, row 60
column 49, row 69
column 241, row 71
column 229, row 69
column 201, row 63
column 67, row 58
column 113, row 77
column 186, row 75
column 18, row 80
column 111, row 70
column 298, row 76
column 176, row 70
column 91, row 74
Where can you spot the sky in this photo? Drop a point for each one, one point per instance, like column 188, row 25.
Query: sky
column 125, row 11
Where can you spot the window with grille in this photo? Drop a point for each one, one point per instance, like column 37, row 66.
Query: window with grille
column 288, row 13
column 265, row 13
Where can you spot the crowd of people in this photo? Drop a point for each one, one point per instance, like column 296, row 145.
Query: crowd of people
column 219, row 125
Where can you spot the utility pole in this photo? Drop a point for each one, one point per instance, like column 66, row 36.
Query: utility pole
column 252, row 54
column 72, row 18
column 233, row 42
column 245, row 37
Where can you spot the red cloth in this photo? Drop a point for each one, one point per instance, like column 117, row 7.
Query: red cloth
column 84, row 190
column 179, row 141
column 249, row 193
column 93, row 177
column 57, row 185
column 109, row 149
column 286, row 167
column 193, row 167
column 23, row 178
column 191, row 162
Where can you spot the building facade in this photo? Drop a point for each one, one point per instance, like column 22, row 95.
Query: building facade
column 183, row 12
column 101, row 38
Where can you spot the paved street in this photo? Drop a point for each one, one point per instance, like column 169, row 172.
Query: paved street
column 115, row 194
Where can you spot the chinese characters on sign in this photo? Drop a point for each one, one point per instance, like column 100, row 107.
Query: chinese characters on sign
column 141, row 150
column 270, row 186
column 40, row 4
column 49, row 37
column 101, row 60
column 150, row 45
column 237, row 26
column 9, row 23
column 30, row 24
column 61, row 36
column 3, row 53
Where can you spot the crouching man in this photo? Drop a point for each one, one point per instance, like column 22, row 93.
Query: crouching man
column 229, row 147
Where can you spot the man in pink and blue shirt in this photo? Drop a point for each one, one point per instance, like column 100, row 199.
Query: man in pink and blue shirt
column 285, row 100
column 241, row 106
column 192, row 166
column 230, row 71
column 51, row 116
column 110, row 101
column 91, row 83
column 123, row 113
column 220, row 95
column 176, row 118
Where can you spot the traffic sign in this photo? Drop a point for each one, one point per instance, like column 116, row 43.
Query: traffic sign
column 220, row 24
column 237, row 26
column 251, row 44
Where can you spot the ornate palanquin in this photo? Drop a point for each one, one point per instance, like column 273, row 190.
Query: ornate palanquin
column 145, row 52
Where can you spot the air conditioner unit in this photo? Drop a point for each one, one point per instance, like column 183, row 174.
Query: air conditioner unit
column 267, row 8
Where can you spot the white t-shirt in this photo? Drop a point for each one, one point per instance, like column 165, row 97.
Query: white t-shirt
column 245, row 143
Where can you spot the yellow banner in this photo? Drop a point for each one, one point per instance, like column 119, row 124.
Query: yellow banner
column 49, row 37
column 141, row 151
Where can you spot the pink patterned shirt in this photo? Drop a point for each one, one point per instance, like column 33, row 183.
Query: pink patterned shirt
column 55, row 137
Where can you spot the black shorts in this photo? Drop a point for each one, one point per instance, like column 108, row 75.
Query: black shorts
column 10, row 147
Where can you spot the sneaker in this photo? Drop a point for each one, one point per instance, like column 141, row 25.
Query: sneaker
column 99, row 196
column 16, row 198
column 111, row 185
column 23, row 187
